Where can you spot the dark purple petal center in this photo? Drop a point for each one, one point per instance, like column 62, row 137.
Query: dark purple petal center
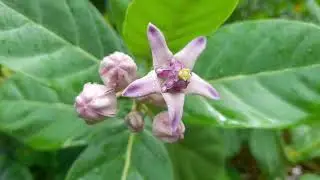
column 170, row 76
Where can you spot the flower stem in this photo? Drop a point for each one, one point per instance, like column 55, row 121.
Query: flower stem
column 147, row 110
column 128, row 158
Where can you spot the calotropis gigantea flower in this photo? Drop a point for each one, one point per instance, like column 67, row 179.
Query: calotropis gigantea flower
column 172, row 75
column 96, row 102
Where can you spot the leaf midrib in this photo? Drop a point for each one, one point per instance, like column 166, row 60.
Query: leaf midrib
column 53, row 34
column 57, row 105
column 264, row 73
column 92, row 57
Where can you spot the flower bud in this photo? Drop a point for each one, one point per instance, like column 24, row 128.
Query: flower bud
column 96, row 102
column 155, row 99
column 135, row 122
column 118, row 70
column 162, row 128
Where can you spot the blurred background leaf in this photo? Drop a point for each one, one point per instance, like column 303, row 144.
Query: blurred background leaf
column 266, row 148
column 201, row 155
column 179, row 20
column 116, row 13
column 310, row 177
column 305, row 142
column 12, row 170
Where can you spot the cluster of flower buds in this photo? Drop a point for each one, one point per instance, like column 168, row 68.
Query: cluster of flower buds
column 166, row 84
column 97, row 102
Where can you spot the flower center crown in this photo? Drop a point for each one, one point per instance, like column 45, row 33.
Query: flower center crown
column 184, row 74
column 175, row 77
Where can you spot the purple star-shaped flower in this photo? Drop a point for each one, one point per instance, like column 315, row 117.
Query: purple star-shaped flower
column 172, row 76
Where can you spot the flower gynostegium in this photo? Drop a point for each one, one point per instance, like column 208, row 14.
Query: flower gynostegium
column 172, row 75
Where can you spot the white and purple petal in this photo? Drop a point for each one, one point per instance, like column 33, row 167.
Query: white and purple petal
column 189, row 54
column 175, row 102
column 143, row 86
column 161, row 54
column 199, row 86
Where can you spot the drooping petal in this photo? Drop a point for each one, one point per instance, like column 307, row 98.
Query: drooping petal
column 175, row 102
column 160, row 52
column 189, row 54
column 144, row 86
column 201, row 87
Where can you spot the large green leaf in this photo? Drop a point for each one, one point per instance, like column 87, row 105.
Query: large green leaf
column 55, row 47
column 201, row 155
column 116, row 154
column 266, row 147
column 305, row 143
column 267, row 73
column 180, row 20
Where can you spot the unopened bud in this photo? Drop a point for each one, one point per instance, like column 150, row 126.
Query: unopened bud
column 118, row 70
column 162, row 128
column 135, row 122
column 155, row 99
column 96, row 102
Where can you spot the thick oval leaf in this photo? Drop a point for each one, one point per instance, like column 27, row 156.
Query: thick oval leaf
column 266, row 148
column 180, row 20
column 65, row 41
column 116, row 154
column 305, row 143
column 44, row 117
column 201, row 155
column 267, row 73
column 55, row 47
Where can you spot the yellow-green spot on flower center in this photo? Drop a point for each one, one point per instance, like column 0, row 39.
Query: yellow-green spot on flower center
column 185, row 74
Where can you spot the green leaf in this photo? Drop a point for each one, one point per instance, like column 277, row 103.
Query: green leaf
column 266, row 147
column 232, row 139
column 305, row 143
column 267, row 73
column 314, row 9
column 201, row 155
column 310, row 177
column 117, row 11
column 118, row 154
column 9, row 169
column 54, row 47
column 44, row 117
column 180, row 20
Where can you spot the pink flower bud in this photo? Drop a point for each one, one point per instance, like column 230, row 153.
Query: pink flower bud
column 162, row 128
column 135, row 122
column 96, row 102
column 118, row 70
column 155, row 99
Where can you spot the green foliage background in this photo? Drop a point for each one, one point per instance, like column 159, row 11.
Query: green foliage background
column 250, row 145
